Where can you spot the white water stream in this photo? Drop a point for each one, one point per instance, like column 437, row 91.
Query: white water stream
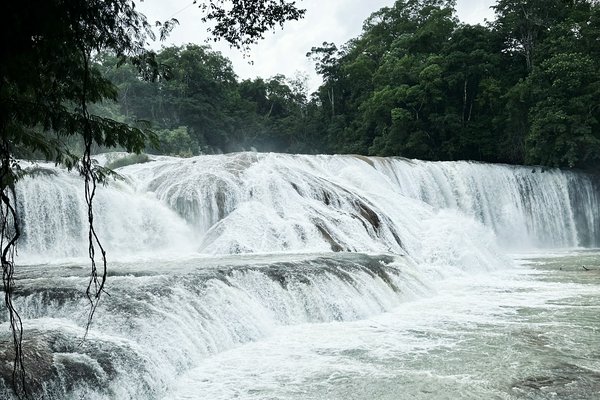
column 289, row 277
column 512, row 334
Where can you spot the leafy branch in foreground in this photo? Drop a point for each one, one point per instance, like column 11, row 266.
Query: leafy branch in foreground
column 242, row 22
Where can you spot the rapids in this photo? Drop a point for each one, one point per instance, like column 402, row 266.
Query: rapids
column 210, row 254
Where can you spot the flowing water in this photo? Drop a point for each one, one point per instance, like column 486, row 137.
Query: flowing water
column 266, row 276
column 527, row 332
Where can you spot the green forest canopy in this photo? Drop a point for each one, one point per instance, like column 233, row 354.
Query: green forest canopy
column 417, row 83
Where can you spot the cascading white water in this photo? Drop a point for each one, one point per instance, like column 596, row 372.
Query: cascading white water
column 211, row 252
column 286, row 197
column 252, row 202
column 161, row 319
column 53, row 216
column 526, row 206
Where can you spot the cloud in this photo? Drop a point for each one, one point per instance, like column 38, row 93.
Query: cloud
column 475, row 11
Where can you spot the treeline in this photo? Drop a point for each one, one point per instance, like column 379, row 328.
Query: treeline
column 199, row 106
column 523, row 89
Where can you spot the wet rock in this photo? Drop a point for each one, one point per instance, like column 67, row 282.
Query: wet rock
column 563, row 381
column 334, row 245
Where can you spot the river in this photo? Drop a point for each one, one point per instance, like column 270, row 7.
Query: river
column 528, row 332
column 272, row 276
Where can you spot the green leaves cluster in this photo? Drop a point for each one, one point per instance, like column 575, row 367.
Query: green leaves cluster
column 242, row 22
column 46, row 77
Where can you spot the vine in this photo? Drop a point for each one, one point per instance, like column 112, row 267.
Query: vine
column 9, row 235
column 97, row 280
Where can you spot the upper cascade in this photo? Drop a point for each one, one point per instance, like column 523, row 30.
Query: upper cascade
column 439, row 212
column 527, row 207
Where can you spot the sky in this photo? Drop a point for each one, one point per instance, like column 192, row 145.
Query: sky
column 284, row 50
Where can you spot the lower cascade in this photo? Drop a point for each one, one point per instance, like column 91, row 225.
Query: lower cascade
column 211, row 253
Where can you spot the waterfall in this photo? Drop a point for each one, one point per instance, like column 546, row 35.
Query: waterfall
column 211, row 252
column 249, row 202
column 54, row 220
column 366, row 204
column 161, row 319
column 525, row 206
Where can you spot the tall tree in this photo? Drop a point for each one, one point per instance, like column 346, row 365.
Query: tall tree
column 526, row 23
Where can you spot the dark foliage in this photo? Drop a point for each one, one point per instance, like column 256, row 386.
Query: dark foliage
column 417, row 83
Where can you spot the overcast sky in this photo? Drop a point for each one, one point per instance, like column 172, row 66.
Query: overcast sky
column 285, row 50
